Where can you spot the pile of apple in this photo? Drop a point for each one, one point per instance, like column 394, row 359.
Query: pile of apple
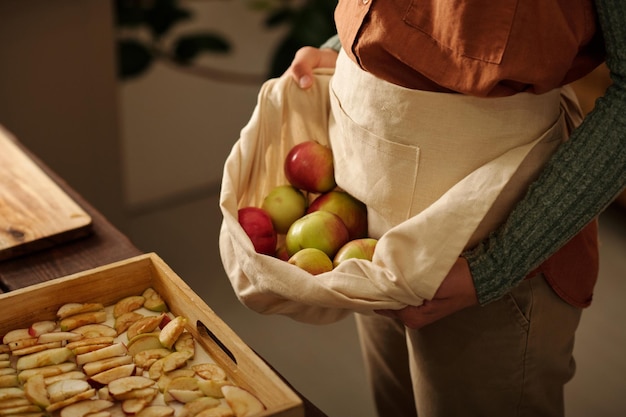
column 309, row 221
column 133, row 358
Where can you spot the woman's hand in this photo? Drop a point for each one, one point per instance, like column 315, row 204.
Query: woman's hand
column 455, row 293
column 306, row 60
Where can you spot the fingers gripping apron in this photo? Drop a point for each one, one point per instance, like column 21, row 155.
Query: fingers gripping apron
column 437, row 171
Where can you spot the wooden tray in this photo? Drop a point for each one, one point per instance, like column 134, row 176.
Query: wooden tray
column 112, row 282
column 34, row 212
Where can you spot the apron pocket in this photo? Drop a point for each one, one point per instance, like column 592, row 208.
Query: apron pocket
column 379, row 172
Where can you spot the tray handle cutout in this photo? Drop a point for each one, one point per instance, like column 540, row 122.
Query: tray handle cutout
column 204, row 331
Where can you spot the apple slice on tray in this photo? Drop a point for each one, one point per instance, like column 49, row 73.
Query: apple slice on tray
column 241, row 401
column 86, row 407
column 127, row 304
column 70, row 309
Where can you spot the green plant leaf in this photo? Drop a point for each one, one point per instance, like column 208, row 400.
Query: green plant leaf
column 188, row 47
column 278, row 17
column 133, row 58
column 163, row 15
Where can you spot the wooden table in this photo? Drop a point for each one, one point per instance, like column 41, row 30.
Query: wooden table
column 104, row 245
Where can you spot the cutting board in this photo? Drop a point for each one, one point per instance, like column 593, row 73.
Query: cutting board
column 35, row 213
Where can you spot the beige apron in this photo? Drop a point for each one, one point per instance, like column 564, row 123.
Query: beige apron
column 437, row 172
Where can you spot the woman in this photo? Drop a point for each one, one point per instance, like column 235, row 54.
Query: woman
column 497, row 337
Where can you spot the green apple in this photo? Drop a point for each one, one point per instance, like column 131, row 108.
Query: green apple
column 309, row 166
column 285, row 204
column 322, row 230
column 312, row 260
column 352, row 212
column 258, row 226
column 358, row 248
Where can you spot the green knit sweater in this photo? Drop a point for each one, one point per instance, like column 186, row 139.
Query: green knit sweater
column 581, row 179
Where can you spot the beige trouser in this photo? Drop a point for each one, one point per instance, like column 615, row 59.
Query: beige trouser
column 511, row 357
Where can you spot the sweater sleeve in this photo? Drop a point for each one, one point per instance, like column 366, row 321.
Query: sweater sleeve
column 579, row 182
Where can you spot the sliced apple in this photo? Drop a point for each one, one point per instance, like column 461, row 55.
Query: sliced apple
column 19, row 410
column 87, row 341
column 72, row 400
column 146, row 324
column 47, row 357
column 212, row 387
column 86, row 407
column 105, row 413
column 148, row 393
column 11, row 392
column 96, row 330
column 172, row 361
column 183, row 383
column 165, row 379
column 9, row 380
column 47, row 371
column 154, row 301
column 142, row 342
column 71, row 309
column 7, row 371
column 66, row 388
column 14, row 402
column 191, row 408
column 145, row 358
column 5, row 364
column 116, row 349
column 185, row 343
column 88, row 348
column 219, row 411
column 106, row 377
column 36, row 348
column 65, row 375
column 35, row 390
column 184, row 396
column 130, row 303
column 22, row 343
column 129, row 383
column 38, row 328
column 242, row 401
column 134, row 405
column 82, row 319
column 59, row 337
column 96, row 367
column 15, row 335
column 4, row 356
column 123, row 322
column 156, row 411
column 4, row 348
column 209, row 370
column 172, row 330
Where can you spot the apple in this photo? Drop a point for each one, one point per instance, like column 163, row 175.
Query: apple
column 312, row 260
column 321, row 229
column 281, row 252
column 309, row 166
column 285, row 204
column 358, row 248
column 258, row 226
column 352, row 211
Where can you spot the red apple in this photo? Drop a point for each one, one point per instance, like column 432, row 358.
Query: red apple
column 258, row 226
column 352, row 211
column 312, row 260
column 322, row 230
column 285, row 204
column 309, row 167
column 358, row 248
